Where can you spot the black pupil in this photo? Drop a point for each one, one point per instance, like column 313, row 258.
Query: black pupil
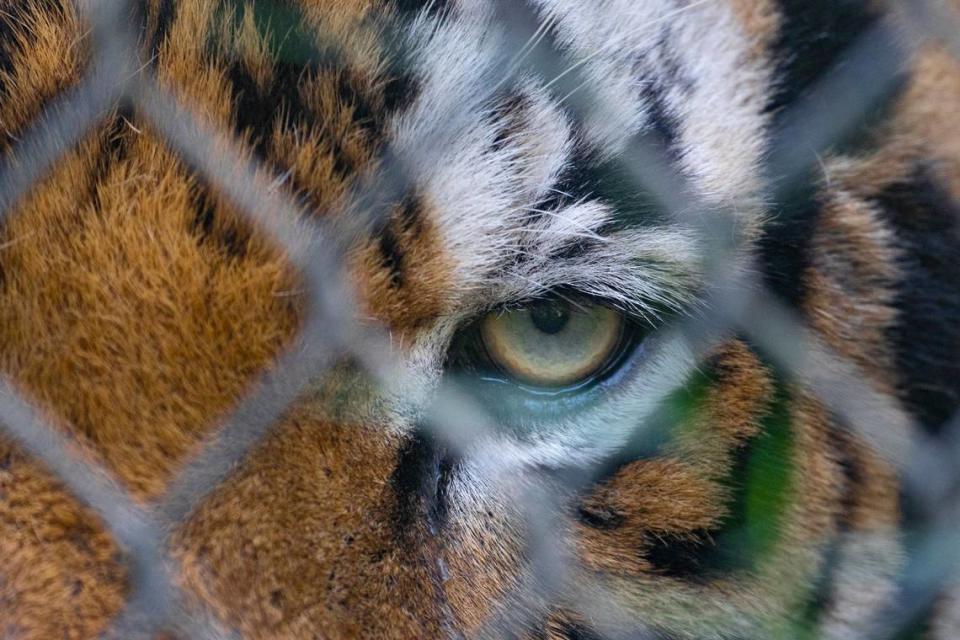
column 550, row 317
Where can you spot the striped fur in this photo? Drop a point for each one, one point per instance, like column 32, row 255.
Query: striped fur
column 137, row 304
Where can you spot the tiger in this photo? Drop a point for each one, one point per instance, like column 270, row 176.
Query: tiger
column 613, row 476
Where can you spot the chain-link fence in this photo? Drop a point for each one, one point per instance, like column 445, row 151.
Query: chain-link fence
column 117, row 74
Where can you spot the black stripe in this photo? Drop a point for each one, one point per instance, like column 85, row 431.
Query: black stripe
column 298, row 58
column 416, row 7
column 258, row 110
column 165, row 15
column 784, row 252
column 574, row 631
column 663, row 125
column 823, row 593
column 838, row 439
column 667, row 75
column 413, row 480
column 599, row 518
column 813, row 36
column 12, row 20
column 14, row 39
column 687, row 557
column 115, row 147
column 401, row 87
column 420, row 484
column 510, row 118
column 589, row 177
column 231, row 236
column 927, row 332
column 392, row 256
column 405, row 221
column 9, row 27
column 294, row 56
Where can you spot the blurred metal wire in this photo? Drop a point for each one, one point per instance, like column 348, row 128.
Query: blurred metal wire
column 831, row 110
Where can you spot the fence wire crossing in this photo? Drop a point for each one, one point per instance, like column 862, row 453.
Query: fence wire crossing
column 116, row 74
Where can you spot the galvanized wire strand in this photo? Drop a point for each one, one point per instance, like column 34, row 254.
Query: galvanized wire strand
column 932, row 20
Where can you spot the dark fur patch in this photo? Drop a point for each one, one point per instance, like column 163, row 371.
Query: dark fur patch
column 164, row 17
column 608, row 181
column 231, row 237
column 575, row 631
column 850, row 466
column 13, row 39
column 927, row 333
column 12, row 22
column 684, row 558
column 8, row 27
column 258, row 110
column 419, row 482
column 784, row 251
column 601, row 519
column 400, row 89
column 510, row 117
column 587, row 174
column 406, row 220
column 663, row 125
column 416, row 7
column 114, row 148
column 813, row 36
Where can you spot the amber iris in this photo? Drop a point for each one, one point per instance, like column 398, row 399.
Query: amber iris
column 552, row 343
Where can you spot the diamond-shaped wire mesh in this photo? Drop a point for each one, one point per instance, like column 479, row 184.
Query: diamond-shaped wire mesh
column 116, row 74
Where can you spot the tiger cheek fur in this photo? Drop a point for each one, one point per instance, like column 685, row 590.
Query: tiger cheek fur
column 138, row 306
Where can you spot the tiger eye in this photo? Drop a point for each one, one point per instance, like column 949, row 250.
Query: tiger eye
column 552, row 343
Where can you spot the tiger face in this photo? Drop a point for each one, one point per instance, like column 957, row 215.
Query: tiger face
column 546, row 450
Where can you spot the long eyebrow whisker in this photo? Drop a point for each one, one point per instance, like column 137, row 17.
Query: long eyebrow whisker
column 582, row 61
column 554, row 214
column 569, row 234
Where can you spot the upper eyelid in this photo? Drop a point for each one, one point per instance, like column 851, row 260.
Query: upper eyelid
column 572, row 296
